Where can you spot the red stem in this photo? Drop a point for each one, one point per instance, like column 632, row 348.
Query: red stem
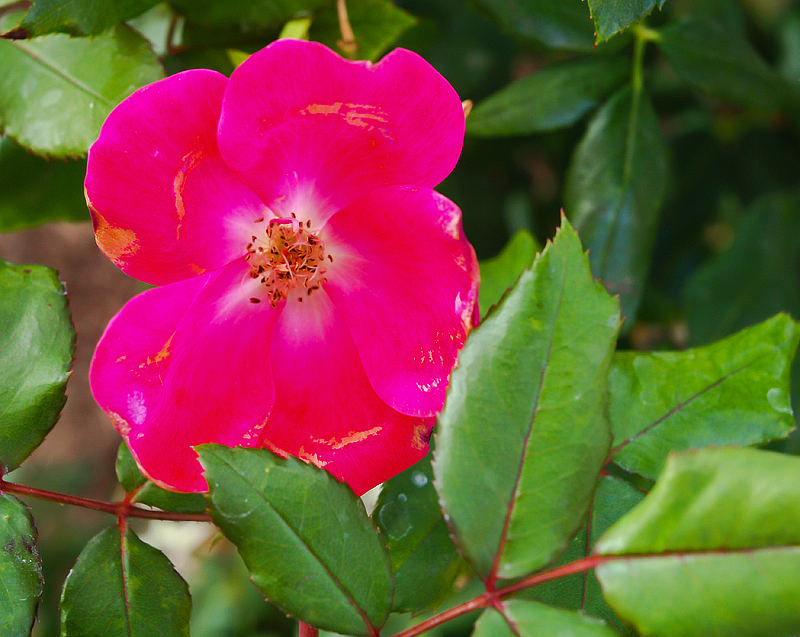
column 124, row 509
column 491, row 598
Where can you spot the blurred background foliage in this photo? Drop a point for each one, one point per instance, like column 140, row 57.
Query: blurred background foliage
column 666, row 130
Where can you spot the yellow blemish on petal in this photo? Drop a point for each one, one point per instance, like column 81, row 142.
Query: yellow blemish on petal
column 274, row 449
column 310, row 457
column 322, row 109
column 353, row 436
column 116, row 243
column 121, row 358
column 190, row 161
column 197, row 269
column 162, row 354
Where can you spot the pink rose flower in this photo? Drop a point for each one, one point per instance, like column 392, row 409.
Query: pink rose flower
column 313, row 290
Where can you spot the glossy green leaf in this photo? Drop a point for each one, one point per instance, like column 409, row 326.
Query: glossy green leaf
column 713, row 550
column 20, row 568
column 733, row 392
column 37, row 343
column 613, row 16
column 722, row 63
column 557, row 24
column 615, row 186
column 56, row 91
column 755, row 278
column 555, row 97
column 613, row 499
column 37, row 191
column 524, row 433
column 244, row 12
column 499, row 273
column 376, row 25
column 520, row 618
column 424, row 559
column 78, row 17
column 122, row 586
column 131, row 479
column 304, row 537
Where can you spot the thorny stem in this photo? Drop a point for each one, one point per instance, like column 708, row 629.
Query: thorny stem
column 490, row 598
column 124, row 509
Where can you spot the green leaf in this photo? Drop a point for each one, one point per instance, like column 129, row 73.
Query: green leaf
column 735, row 391
column 377, row 24
column 557, row 96
column 557, row 24
column 37, row 343
column 520, row 618
column 614, row 189
column 713, row 550
column 36, row 191
column 20, row 568
column 755, row 278
column 721, row 63
column 613, row 499
column 148, row 493
column 252, row 13
column 56, row 91
column 304, row 537
column 78, row 17
column 122, row 586
column 523, row 434
column 613, row 16
column 500, row 273
column 425, row 561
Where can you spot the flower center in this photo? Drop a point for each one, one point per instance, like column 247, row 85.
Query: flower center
column 289, row 255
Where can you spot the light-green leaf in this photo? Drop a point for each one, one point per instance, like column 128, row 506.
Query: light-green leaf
column 556, row 96
column 56, row 91
column 78, row 17
column 20, row 568
column 37, row 191
column 37, row 343
column 615, row 185
column 733, row 392
column 713, row 550
column 613, row 16
column 122, row 586
column 520, row 618
column 499, row 273
column 524, row 433
column 376, row 25
column 425, row 561
column 304, row 537
column 722, row 63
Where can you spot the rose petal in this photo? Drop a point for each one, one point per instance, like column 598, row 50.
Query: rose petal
column 405, row 280
column 325, row 411
column 165, row 205
column 186, row 364
column 311, row 132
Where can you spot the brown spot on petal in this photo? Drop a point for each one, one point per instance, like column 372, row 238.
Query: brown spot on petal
column 306, row 456
column 116, row 243
column 353, row 436
column 322, row 109
column 120, row 424
column 421, row 435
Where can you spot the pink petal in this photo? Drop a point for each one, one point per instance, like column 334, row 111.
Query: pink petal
column 186, row 364
column 165, row 205
column 325, row 411
column 311, row 132
column 406, row 282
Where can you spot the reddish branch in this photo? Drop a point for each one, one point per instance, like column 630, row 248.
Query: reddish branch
column 124, row 509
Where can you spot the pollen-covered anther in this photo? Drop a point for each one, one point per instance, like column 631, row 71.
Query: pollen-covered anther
column 288, row 255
